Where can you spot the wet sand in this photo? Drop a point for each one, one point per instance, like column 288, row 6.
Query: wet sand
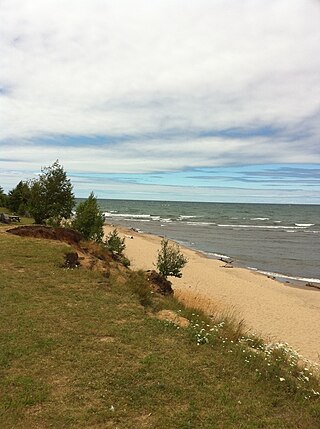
column 276, row 311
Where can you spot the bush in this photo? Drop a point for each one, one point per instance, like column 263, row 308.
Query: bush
column 115, row 243
column 125, row 261
column 170, row 260
column 89, row 220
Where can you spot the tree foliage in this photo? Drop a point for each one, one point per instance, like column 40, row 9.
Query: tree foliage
column 51, row 195
column 19, row 198
column 170, row 260
column 89, row 219
column 115, row 243
column 3, row 198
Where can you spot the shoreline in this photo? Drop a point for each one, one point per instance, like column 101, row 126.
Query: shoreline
column 276, row 311
column 290, row 281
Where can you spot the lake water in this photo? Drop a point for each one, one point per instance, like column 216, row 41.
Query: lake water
column 276, row 239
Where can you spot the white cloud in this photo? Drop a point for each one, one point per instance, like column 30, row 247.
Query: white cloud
column 158, row 67
column 96, row 67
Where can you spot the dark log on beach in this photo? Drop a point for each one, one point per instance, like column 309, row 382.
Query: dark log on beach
column 313, row 285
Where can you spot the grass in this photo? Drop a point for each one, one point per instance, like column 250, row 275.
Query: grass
column 23, row 219
column 78, row 350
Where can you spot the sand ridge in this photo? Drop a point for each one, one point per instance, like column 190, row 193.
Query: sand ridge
column 277, row 311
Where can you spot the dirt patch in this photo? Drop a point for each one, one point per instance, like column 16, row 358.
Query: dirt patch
column 66, row 235
column 173, row 317
column 107, row 339
column 71, row 260
column 159, row 284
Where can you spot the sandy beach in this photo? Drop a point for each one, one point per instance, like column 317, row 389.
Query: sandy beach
column 276, row 311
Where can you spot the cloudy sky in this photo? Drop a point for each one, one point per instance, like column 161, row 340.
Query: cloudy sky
column 201, row 100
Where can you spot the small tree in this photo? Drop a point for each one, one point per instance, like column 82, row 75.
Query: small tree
column 51, row 195
column 170, row 260
column 89, row 220
column 3, row 198
column 115, row 243
column 19, row 198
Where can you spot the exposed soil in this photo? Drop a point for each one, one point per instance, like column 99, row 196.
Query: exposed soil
column 66, row 235
column 159, row 284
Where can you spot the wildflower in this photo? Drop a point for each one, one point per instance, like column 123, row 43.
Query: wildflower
column 282, row 379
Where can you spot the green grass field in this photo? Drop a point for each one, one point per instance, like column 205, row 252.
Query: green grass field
column 78, row 350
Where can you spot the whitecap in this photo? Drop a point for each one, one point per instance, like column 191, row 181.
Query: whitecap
column 284, row 276
column 259, row 218
column 260, row 226
column 200, row 223
column 304, row 224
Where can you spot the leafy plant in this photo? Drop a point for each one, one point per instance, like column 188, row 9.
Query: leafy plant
column 170, row 260
column 89, row 219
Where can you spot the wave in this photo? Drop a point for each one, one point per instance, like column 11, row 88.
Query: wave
column 259, row 218
column 131, row 216
column 284, row 276
column 261, row 226
column 181, row 217
column 304, row 224
column 212, row 254
column 201, row 223
column 137, row 220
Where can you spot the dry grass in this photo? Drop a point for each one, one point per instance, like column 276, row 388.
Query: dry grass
column 216, row 311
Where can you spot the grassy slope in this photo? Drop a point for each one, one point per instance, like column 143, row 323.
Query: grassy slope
column 79, row 351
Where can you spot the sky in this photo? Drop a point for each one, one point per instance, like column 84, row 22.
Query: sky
column 193, row 100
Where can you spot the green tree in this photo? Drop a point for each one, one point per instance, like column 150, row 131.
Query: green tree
column 115, row 243
column 89, row 220
column 19, row 198
column 51, row 195
column 170, row 260
column 3, row 198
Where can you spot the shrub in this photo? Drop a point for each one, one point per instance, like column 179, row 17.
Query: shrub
column 170, row 260
column 115, row 243
column 89, row 220
column 125, row 261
